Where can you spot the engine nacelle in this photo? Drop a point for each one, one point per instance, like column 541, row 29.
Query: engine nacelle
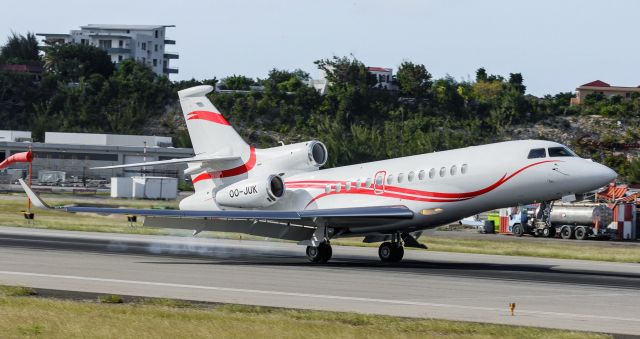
column 308, row 155
column 252, row 193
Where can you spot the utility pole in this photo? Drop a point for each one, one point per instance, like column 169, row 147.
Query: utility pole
column 144, row 159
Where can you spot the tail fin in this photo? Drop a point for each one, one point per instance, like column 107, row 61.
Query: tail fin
column 211, row 134
column 209, row 130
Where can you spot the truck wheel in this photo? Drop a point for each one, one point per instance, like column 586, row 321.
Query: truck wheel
column 566, row 232
column 517, row 230
column 546, row 232
column 581, row 233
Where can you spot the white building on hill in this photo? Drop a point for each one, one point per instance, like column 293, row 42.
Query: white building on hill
column 384, row 80
column 144, row 43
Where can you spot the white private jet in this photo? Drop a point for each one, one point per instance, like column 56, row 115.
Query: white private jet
column 281, row 192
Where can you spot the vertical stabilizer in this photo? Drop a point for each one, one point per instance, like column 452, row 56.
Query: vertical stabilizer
column 210, row 132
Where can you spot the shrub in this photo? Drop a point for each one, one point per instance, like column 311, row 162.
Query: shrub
column 110, row 299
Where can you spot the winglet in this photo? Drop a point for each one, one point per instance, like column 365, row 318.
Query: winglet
column 35, row 199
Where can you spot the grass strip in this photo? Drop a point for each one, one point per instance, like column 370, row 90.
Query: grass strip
column 166, row 318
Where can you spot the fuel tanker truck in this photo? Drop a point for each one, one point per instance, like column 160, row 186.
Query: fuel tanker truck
column 569, row 220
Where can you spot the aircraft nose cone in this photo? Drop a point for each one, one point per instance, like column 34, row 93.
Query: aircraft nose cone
column 606, row 174
column 610, row 174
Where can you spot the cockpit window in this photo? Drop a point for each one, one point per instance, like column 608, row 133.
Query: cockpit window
column 560, row 152
column 537, row 153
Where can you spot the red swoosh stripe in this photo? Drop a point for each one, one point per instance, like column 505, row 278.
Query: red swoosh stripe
column 410, row 194
column 370, row 191
column 200, row 177
column 208, row 116
column 244, row 168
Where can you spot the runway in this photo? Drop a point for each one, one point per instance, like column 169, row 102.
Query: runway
column 569, row 294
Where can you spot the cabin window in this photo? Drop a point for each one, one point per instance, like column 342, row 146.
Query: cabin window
column 421, row 175
column 327, row 189
column 443, row 171
column 389, row 179
column 453, row 170
column 338, row 187
column 400, row 177
column 464, row 168
column 411, row 176
column 347, row 186
column 537, row 153
column 367, row 183
column 379, row 180
column 358, row 184
column 560, row 152
column 432, row 173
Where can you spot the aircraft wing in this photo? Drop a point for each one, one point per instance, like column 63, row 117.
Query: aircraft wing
column 204, row 159
column 353, row 213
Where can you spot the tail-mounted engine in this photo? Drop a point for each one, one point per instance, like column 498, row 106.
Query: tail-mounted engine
column 252, row 193
column 303, row 156
column 317, row 153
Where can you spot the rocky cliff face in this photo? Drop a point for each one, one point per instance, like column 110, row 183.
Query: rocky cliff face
column 591, row 132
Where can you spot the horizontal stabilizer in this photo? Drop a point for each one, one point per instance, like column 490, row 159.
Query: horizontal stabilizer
column 197, row 159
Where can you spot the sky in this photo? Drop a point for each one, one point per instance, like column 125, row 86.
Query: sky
column 556, row 45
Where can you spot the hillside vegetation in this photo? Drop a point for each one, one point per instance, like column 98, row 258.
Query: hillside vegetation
column 81, row 91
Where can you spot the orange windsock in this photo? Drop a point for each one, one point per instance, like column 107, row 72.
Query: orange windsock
column 18, row 157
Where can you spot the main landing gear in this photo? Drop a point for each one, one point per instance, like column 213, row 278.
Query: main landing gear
column 320, row 254
column 391, row 251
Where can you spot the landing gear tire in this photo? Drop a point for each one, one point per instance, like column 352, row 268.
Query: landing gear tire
column 566, row 233
column 320, row 254
column 517, row 230
column 548, row 232
column 581, row 233
column 390, row 252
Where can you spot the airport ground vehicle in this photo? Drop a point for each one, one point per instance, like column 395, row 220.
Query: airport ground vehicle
column 568, row 220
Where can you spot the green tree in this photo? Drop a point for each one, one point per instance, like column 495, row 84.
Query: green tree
column 133, row 94
column 70, row 61
column 351, row 92
column 516, row 81
column 237, row 82
column 414, row 80
column 20, row 49
column 285, row 81
column 481, row 74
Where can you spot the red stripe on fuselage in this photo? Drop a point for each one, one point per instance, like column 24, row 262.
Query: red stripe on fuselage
column 371, row 191
column 201, row 176
column 409, row 194
column 244, row 168
column 208, row 116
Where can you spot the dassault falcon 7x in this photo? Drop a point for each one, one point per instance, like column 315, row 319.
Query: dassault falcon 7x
column 281, row 192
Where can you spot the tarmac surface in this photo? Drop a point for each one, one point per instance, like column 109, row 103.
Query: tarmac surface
column 568, row 294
